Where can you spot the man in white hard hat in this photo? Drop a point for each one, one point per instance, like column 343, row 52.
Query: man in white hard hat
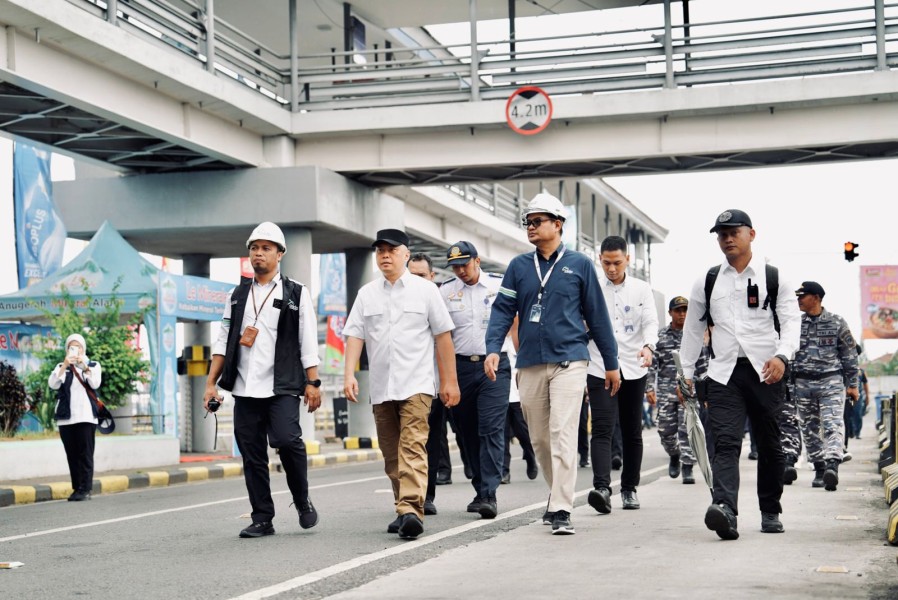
column 555, row 294
column 266, row 354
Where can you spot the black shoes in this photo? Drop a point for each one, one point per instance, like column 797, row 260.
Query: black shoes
column 258, row 530
column 770, row 523
column 629, row 499
column 600, row 500
column 752, row 455
column 444, row 478
column 308, row 516
column 616, row 462
column 79, row 496
column 393, row 527
column 819, row 469
column 506, row 478
column 548, row 518
column 673, row 469
column 688, row 477
column 474, row 505
column 430, row 508
column 533, row 470
column 720, row 518
column 584, row 461
column 831, row 475
column 468, row 472
column 410, row 526
column 561, row 523
column 489, row 508
column 790, row 473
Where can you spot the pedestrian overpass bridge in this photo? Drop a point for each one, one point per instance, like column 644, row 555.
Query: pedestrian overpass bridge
column 183, row 92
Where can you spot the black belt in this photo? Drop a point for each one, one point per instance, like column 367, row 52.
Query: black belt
column 815, row 376
column 743, row 360
column 475, row 357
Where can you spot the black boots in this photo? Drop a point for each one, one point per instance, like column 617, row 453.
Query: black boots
column 673, row 469
column 819, row 468
column 790, row 473
column 831, row 475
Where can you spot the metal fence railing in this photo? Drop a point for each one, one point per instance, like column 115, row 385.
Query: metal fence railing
column 669, row 55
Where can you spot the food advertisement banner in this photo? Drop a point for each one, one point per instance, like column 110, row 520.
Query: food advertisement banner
column 879, row 301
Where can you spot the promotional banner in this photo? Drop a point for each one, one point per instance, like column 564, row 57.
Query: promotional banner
column 332, row 299
column 40, row 233
column 334, row 347
column 18, row 344
column 192, row 298
column 879, row 301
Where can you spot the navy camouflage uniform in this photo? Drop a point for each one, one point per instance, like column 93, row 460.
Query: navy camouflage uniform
column 789, row 427
column 824, row 366
column 671, row 416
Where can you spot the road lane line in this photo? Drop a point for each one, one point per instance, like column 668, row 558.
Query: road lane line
column 173, row 510
column 315, row 576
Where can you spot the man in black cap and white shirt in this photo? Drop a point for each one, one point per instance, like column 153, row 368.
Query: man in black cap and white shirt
column 745, row 374
column 481, row 413
column 399, row 316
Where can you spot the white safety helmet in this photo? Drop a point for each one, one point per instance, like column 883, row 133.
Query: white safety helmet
column 268, row 231
column 546, row 203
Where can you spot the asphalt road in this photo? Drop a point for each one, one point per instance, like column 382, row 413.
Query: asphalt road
column 181, row 542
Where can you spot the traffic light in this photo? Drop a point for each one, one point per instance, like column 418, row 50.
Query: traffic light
column 850, row 253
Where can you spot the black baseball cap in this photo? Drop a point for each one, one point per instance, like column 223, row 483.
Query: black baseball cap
column 394, row 237
column 731, row 218
column 461, row 253
column 810, row 287
column 677, row 302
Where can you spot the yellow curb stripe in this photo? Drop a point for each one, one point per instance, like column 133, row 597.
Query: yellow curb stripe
column 196, row 473
column 342, row 458
column 113, row 483
column 158, row 478
column 313, row 447
column 319, row 461
column 60, row 490
column 351, row 443
column 231, row 469
column 25, row 494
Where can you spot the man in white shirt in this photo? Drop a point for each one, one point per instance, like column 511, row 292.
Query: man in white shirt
column 631, row 306
column 399, row 317
column 745, row 376
column 266, row 354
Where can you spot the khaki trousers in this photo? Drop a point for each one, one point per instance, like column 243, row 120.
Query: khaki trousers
column 402, row 434
column 551, row 399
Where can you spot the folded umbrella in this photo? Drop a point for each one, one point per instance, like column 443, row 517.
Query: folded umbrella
column 694, row 428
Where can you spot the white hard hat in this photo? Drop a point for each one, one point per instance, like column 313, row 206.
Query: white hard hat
column 268, row 231
column 546, row 203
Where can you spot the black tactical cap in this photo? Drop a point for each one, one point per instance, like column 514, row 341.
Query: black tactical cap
column 677, row 302
column 394, row 237
column 731, row 218
column 810, row 287
column 461, row 253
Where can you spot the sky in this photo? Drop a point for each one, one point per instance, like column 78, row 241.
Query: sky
column 802, row 214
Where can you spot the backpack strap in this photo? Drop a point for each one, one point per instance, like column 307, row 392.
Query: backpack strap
column 772, row 274
column 710, row 280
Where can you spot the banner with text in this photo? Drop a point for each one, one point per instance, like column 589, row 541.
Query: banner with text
column 879, row 301
column 192, row 298
column 332, row 299
column 40, row 233
column 18, row 345
column 334, row 347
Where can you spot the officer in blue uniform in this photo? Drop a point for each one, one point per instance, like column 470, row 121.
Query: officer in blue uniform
column 481, row 414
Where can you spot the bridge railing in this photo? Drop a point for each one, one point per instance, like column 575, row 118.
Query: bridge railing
column 817, row 43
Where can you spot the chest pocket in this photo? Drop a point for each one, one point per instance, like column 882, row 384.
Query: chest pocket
column 373, row 315
column 828, row 335
column 413, row 312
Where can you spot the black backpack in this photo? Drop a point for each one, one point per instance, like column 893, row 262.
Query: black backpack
column 773, row 284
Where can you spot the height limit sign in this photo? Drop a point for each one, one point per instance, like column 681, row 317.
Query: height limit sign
column 528, row 110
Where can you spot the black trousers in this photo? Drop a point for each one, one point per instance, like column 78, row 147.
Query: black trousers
column 626, row 406
column 728, row 405
column 437, row 447
column 78, row 440
column 583, row 431
column 259, row 422
column 517, row 427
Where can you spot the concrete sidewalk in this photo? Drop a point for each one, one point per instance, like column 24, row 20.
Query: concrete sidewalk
column 193, row 467
column 834, row 547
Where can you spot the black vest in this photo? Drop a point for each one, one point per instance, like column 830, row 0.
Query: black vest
column 289, row 375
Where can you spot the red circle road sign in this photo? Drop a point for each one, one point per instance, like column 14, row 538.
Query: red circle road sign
column 528, row 110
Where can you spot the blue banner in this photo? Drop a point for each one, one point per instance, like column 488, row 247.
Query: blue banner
column 40, row 233
column 332, row 299
column 192, row 298
column 19, row 344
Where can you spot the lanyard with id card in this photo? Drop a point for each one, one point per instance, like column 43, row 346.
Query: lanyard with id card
column 536, row 311
column 249, row 334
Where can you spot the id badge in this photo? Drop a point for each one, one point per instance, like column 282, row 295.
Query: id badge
column 536, row 313
column 249, row 336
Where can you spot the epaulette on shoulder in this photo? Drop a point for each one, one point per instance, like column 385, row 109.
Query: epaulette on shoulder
column 496, row 275
column 450, row 280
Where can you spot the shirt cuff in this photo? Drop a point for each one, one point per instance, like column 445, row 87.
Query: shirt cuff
column 310, row 360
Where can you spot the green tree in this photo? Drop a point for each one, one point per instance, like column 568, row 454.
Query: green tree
column 13, row 400
column 108, row 338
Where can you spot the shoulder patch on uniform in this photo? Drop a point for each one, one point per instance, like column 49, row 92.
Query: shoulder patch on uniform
column 507, row 292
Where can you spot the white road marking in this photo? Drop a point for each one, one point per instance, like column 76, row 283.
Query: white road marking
column 308, row 578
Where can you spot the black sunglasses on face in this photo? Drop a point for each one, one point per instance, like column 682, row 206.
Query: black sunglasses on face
column 535, row 222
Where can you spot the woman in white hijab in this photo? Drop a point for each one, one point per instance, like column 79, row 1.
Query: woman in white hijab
column 76, row 412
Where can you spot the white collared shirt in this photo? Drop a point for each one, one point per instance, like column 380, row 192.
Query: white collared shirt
column 470, row 307
column 255, row 365
column 79, row 402
column 398, row 322
column 740, row 330
column 634, row 318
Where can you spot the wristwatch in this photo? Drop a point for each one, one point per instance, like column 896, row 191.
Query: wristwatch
column 782, row 358
column 651, row 347
column 314, row 382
